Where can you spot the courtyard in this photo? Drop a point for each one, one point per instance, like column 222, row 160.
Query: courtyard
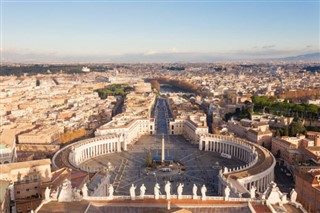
column 129, row 167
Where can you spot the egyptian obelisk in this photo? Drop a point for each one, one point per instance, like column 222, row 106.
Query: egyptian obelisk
column 162, row 150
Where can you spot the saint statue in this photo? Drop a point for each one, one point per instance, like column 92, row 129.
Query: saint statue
column 133, row 192
column 293, row 195
column 142, row 190
column 227, row 192
column 167, row 189
column 179, row 191
column 111, row 190
column 194, row 191
column 84, row 190
column 203, row 192
column 47, row 193
column 253, row 192
column 156, row 191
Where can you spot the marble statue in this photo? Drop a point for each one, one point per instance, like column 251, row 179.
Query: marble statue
column 54, row 195
column 47, row 193
column 76, row 194
column 180, row 190
column 84, row 190
column 142, row 190
column 226, row 192
column 253, row 192
column 65, row 194
column 121, row 137
column 111, row 190
column 203, row 192
column 167, row 189
column 133, row 192
column 156, row 191
column 11, row 191
column 293, row 195
column 225, row 170
column 194, row 191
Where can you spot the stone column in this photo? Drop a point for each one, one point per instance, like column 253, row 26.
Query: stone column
column 206, row 145
column 125, row 145
column 119, row 146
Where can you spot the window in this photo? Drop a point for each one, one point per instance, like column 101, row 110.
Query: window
column 18, row 192
column 27, row 190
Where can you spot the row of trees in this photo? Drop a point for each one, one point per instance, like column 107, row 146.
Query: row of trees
column 155, row 84
column 271, row 105
column 114, row 89
column 244, row 112
column 296, row 127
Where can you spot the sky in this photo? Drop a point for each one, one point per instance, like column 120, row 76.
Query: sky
column 106, row 31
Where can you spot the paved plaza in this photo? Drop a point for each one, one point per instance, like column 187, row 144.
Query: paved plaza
column 129, row 167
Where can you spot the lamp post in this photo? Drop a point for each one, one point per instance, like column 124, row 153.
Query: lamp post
column 107, row 170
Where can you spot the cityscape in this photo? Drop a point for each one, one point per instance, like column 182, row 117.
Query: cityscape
column 143, row 107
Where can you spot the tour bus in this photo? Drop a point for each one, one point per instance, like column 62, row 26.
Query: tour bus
column 224, row 155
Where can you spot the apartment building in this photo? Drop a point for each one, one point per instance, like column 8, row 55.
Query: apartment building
column 308, row 189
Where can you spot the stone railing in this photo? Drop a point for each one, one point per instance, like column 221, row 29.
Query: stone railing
column 127, row 197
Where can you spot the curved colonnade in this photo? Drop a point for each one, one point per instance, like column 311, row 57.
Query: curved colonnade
column 94, row 147
column 84, row 150
column 258, row 171
column 259, row 168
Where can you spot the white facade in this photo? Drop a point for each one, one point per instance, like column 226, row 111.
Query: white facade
column 131, row 131
column 187, row 128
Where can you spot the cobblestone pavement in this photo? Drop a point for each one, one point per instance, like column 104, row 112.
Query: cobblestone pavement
column 129, row 166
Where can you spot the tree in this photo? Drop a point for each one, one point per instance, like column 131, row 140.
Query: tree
column 296, row 127
column 286, row 131
column 149, row 159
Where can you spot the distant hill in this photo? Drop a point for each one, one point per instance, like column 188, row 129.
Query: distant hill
column 311, row 57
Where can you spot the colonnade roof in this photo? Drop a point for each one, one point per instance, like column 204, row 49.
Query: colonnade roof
column 265, row 161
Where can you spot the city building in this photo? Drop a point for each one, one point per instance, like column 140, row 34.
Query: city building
column 8, row 146
column 308, row 189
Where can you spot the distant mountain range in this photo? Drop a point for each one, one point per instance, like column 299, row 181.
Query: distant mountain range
column 156, row 57
column 311, row 57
